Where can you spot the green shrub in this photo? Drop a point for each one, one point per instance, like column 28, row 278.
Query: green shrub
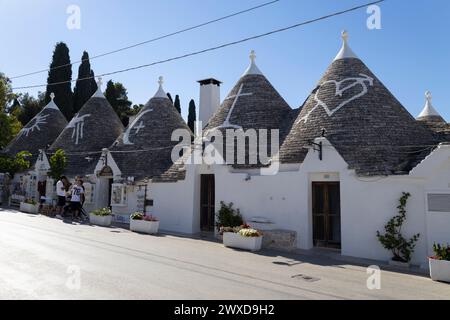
column 103, row 212
column 393, row 240
column 227, row 216
column 441, row 252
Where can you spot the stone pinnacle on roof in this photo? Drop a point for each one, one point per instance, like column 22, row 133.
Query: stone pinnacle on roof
column 51, row 104
column 160, row 93
column 346, row 51
column 428, row 110
column 252, row 68
column 99, row 93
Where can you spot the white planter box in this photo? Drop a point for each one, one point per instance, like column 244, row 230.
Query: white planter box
column 439, row 270
column 235, row 240
column 103, row 221
column 142, row 226
column 29, row 208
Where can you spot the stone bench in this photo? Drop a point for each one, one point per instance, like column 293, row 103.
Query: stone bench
column 285, row 240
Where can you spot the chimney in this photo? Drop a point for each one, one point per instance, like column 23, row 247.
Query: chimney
column 209, row 99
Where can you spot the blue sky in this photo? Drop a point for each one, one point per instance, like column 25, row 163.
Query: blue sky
column 410, row 54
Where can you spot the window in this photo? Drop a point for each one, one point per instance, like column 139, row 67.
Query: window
column 439, row 202
column 118, row 194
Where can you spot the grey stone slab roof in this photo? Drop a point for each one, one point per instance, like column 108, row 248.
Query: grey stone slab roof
column 95, row 127
column 144, row 149
column 38, row 134
column 367, row 125
column 253, row 103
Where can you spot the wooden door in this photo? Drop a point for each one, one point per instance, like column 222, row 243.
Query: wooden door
column 207, row 201
column 326, row 214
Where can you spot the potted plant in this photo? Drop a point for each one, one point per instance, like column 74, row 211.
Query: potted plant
column 143, row 223
column 242, row 237
column 393, row 240
column 101, row 217
column 440, row 263
column 228, row 217
column 29, row 206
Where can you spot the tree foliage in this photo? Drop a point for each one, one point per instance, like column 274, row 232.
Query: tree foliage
column 12, row 165
column 177, row 103
column 84, row 89
column 192, row 117
column 61, row 71
column 393, row 240
column 29, row 107
column 58, row 162
column 9, row 125
column 117, row 96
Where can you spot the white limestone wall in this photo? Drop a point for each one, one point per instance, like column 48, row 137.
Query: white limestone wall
column 175, row 204
column 366, row 203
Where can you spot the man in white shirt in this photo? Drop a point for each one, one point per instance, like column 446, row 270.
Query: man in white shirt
column 61, row 193
column 77, row 198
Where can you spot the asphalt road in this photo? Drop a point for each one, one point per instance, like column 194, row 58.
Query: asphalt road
column 44, row 258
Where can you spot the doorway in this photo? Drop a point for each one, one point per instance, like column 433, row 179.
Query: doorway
column 207, row 202
column 326, row 211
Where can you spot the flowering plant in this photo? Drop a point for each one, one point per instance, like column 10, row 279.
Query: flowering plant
column 244, row 230
column 250, row 233
column 150, row 218
column 103, row 212
column 441, row 252
column 30, row 201
column 144, row 217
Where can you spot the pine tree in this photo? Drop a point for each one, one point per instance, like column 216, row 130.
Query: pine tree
column 177, row 104
column 192, row 117
column 84, row 89
column 61, row 71
column 117, row 96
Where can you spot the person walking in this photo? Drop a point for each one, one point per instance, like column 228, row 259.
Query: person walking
column 76, row 199
column 61, row 193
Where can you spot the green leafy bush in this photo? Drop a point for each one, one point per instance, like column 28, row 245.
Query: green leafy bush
column 227, row 216
column 31, row 201
column 103, row 212
column 441, row 252
column 393, row 240
column 58, row 163
column 16, row 164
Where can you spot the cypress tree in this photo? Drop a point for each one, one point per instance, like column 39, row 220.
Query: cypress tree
column 84, row 89
column 191, row 115
column 170, row 97
column 61, row 71
column 177, row 104
column 117, row 96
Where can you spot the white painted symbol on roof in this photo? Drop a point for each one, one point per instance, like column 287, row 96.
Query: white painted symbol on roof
column 339, row 91
column 77, row 123
column 132, row 126
column 226, row 123
column 37, row 121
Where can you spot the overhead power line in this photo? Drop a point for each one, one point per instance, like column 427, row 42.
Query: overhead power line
column 212, row 48
column 149, row 41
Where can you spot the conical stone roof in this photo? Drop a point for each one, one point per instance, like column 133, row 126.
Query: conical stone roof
column 94, row 127
column 367, row 125
column 144, row 149
column 253, row 103
column 39, row 133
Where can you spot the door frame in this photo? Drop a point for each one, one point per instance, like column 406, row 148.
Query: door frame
column 327, row 243
column 210, row 223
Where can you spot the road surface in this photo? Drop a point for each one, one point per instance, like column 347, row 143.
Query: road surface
column 45, row 258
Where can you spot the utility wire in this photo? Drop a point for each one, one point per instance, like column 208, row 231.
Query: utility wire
column 213, row 48
column 149, row 41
